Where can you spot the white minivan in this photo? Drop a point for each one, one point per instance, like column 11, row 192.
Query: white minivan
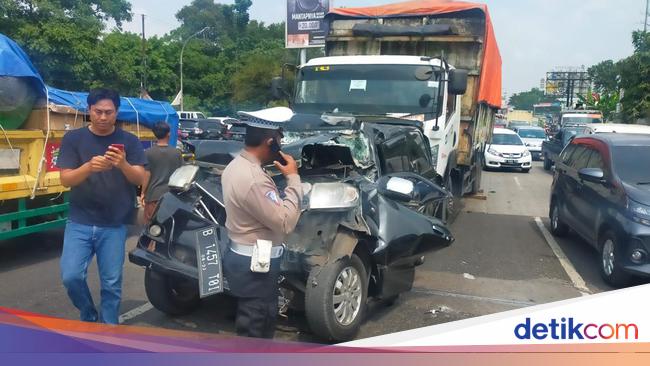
column 506, row 150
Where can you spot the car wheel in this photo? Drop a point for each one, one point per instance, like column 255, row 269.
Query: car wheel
column 547, row 163
column 526, row 170
column 610, row 267
column 558, row 228
column 169, row 294
column 335, row 300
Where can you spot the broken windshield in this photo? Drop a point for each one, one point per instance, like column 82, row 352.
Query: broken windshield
column 354, row 140
column 366, row 89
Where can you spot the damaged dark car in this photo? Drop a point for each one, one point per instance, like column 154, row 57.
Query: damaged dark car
column 372, row 207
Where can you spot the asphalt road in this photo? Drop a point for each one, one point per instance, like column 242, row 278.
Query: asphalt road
column 500, row 261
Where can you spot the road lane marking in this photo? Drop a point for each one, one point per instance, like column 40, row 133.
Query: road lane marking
column 509, row 302
column 135, row 312
column 517, row 181
column 570, row 270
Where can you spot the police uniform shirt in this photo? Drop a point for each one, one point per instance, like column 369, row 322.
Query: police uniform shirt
column 253, row 204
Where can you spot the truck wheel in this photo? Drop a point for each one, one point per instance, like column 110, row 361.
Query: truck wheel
column 169, row 294
column 547, row 163
column 335, row 300
column 610, row 264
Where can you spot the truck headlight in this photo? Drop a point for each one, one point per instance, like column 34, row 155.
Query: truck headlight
column 333, row 196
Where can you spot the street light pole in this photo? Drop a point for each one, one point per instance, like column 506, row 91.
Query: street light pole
column 183, row 50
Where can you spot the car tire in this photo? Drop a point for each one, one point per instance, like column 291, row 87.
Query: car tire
column 609, row 263
column 326, row 320
column 547, row 163
column 171, row 295
column 526, row 170
column 558, row 228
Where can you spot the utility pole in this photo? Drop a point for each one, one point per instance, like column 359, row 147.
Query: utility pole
column 181, row 61
column 143, row 77
column 647, row 16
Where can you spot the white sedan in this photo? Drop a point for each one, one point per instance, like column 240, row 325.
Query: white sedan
column 506, row 150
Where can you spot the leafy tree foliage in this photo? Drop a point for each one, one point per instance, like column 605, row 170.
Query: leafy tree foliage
column 526, row 100
column 629, row 77
column 227, row 68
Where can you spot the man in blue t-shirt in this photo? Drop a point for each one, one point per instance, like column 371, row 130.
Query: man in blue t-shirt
column 102, row 164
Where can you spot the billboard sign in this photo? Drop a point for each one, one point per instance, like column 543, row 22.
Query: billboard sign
column 305, row 26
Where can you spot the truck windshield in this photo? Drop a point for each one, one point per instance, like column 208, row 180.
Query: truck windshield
column 365, row 89
column 581, row 120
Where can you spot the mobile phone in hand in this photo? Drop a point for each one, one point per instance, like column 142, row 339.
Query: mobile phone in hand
column 275, row 148
column 118, row 146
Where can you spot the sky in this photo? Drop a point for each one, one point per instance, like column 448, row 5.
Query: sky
column 534, row 36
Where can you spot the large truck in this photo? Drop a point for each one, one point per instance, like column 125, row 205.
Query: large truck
column 410, row 60
column 34, row 118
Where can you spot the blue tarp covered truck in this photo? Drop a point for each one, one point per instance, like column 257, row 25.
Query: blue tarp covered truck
column 33, row 119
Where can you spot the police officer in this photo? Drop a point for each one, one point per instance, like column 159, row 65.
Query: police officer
column 255, row 211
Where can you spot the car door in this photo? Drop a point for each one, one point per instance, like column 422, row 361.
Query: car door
column 560, row 185
column 593, row 198
column 574, row 194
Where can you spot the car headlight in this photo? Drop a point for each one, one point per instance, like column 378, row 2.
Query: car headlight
column 155, row 230
column 333, row 196
column 183, row 177
column 494, row 152
column 526, row 153
column 640, row 213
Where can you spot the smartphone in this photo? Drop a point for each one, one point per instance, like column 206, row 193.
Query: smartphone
column 275, row 148
column 118, row 146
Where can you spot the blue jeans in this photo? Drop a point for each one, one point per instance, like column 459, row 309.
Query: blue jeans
column 80, row 243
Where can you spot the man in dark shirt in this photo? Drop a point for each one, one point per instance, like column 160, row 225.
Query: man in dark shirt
column 162, row 161
column 102, row 164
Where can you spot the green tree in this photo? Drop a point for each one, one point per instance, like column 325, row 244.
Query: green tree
column 61, row 36
column 526, row 100
column 634, row 74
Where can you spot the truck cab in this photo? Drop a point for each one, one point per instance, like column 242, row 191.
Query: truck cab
column 408, row 87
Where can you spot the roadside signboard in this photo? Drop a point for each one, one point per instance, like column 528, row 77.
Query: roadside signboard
column 305, row 26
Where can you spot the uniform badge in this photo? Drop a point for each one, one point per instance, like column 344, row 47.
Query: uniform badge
column 273, row 197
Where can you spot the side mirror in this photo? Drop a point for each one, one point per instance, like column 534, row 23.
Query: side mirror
column 396, row 188
column 457, row 81
column 277, row 88
column 593, row 175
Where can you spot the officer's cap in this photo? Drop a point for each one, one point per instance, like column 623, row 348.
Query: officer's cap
column 270, row 118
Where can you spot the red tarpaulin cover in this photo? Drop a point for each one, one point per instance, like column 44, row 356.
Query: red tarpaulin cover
column 490, row 82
